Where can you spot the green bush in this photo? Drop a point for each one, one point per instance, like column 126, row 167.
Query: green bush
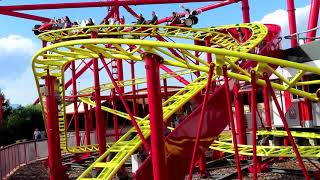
column 19, row 123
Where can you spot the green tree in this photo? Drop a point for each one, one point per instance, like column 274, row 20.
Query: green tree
column 23, row 120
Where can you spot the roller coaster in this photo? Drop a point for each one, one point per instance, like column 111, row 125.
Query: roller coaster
column 212, row 66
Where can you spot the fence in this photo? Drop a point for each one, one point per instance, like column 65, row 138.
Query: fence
column 16, row 155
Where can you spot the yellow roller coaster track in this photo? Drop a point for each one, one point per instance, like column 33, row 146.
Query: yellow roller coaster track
column 224, row 144
column 70, row 46
column 220, row 39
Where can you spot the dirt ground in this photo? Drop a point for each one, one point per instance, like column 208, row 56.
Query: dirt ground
column 38, row 170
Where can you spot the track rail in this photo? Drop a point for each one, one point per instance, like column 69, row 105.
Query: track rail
column 224, row 144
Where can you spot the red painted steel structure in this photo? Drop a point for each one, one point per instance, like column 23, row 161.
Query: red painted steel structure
column 156, row 119
column 231, row 122
column 285, row 124
column 55, row 165
column 292, row 22
column 208, row 44
column 240, row 118
column 254, row 124
column 313, row 20
column 132, row 119
column 306, row 107
column 134, row 98
column 94, row 4
column 75, row 103
column 88, row 123
column 267, row 107
column 245, row 11
column 156, row 153
column 200, row 124
column 100, row 125
column 25, row 16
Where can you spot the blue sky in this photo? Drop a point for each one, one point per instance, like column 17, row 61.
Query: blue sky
column 17, row 42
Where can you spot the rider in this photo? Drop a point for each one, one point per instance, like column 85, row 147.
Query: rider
column 67, row 22
column 154, row 18
column 175, row 19
column 140, row 19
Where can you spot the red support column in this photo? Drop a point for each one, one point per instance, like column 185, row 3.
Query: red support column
column 203, row 109
column 54, row 153
column 144, row 106
column 285, row 124
column 165, row 89
column 100, row 129
column 313, row 19
column 306, row 104
column 245, row 11
column 197, row 54
column 208, row 44
column 134, row 99
column 254, row 124
column 75, row 103
column 87, row 123
column 127, row 108
column 116, row 14
column 292, row 22
column 115, row 117
column 231, row 121
column 156, row 116
column 91, row 110
column 100, row 126
column 267, row 107
column 287, row 100
column 120, row 73
column 240, row 118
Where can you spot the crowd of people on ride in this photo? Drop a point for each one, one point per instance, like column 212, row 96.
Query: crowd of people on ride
column 187, row 18
column 61, row 23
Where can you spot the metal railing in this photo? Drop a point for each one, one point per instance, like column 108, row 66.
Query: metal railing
column 302, row 40
column 16, row 155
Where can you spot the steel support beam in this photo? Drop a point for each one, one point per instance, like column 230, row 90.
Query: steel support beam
column 285, row 124
column 231, row 121
column 254, row 124
column 239, row 110
column 54, row 153
column 100, row 125
column 94, row 4
column 196, row 155
column 313, row 20
column 24, row 16
column 245, row 11
column 292, row 22
column 75, row 103
column 87, row 123
column 267, row 107
column 156, row 116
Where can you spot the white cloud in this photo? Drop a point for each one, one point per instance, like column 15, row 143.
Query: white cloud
column 21, row 89
column 280, row 17
column 13, row 44
column 17, row 80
